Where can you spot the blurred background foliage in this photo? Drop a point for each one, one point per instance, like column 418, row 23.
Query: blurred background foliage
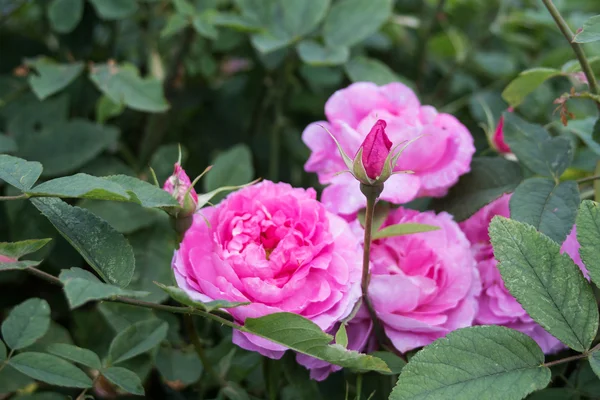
column 113, row 86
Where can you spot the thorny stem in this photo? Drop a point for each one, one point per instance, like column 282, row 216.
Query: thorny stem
column 371, row 193
column 193, row 335
column 577, row 49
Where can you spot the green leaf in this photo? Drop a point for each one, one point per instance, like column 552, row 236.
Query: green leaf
column 489, row 361
column 594, row 359
column 181, row 296
column 179, row 365
column 18, row 172
column 588, row 236
column 26, row 323
column 51, row 77
column 534, row 147
column 341, row 336
column 316, row 54
column 137, row 339
column 50, row 369
column 235, row 21
column 202, row 24
column 80, row 186
column 231, row 167
column 549, row 286
column 304, row 336
column 7, row 144
column 124, row 217
column 123, row 85
column 64, row 15
column 403, row 229
column 527, row 82
column 590, row 31
column 67, row 146
column 75, row 354
column 2, row 351
column 584, row 129
column 12, row 380
column 104, row 249
column 351, row 21
column 114, row 9
column 107, row 109
column 394, row 363
column 234, row 391
column 550, row 208
column 144, row 193
column 81, row 286
column 43, row 396
column 22, row 248
column 125, row 379
column 121, row 316
column 284, row 22
column 489, row 179
column 363, row 69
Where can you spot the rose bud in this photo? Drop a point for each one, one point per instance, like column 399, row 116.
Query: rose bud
column 498, row 139
column 180, row 187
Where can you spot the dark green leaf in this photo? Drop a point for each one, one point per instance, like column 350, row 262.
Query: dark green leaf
column 231, row 167
column 594, row 359
column 67, row 146
column 20, row 249
column 341, row 336
column 175, row 24
column 137, row 339
column 179, row 365
column 18, row 172
column 363, row 69
column 123, row 85
column 527, row 82
column 81, row 286
column 124, row 217
column 56, row 334
column 394, row 363
column 125, row 379
column 550, row 208
column 51, row 77
column 122, row 316
column 304, row 336
column 590, row 31
column 12, row 380
column 144, row 193
column 114, row 9
column 549, row 286
column 202, row 23
column 489, row 179
column 107, row 109
column 43, row 396
column 105, row 249
column 75, row 354
column 50, row 369
column 2, row 351
column 588, row 236
column 26, row 323
column 177, row 294
column 584, row 129
column 534, row 147
column 81, row 186
column 351, row 21
column 233, row 391
column 64, row 15
column 164, row 158
column 7, row 144
column 316, row 54
column 403, row 229
column 489, row 361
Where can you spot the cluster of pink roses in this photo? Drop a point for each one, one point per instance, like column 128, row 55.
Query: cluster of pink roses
column 280, row 249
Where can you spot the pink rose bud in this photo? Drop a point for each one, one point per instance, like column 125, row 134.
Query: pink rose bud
column 498, row 139
column 376, row 149
column 180, row 187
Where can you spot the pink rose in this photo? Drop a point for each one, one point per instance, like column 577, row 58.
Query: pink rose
column 437, row 159
column 178, row 185
column 496, row 305
column 423, row 285
column 278, row 248
column 376, row 149
column 498, row 139
column 359, row 339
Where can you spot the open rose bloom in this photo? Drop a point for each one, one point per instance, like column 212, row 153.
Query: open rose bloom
column 278, row 248
column 496, row 305
column 437, row 159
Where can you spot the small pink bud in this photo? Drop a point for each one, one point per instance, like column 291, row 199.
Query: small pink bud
column 376, row 149
column 178, row 185
column 498, row 138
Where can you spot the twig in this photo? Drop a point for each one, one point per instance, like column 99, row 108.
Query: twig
column 19, row 197
column 577, row 49
column 573, row 358
column 588, row 179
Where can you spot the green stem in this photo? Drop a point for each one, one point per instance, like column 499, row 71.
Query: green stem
column 5, row 363
column 588, row 179
column 359, row 380
column 577, row 49
column 372, row 193
column 573, row 358
column 19, row 197
column 193, row 335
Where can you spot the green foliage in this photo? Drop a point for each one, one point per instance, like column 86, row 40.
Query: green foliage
column 548, row 285
column 403, row 229
column 469, row 363
column 26, row 323
column 179, row 295
column 590, row 32
column 351, row 21
column 17, row 250
column 19, row 173
column 64, row 15
column 75, row 354
column 50, row 369
column 527, row 82
column 125, row 379
column 588, row 235
column 136, row 339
